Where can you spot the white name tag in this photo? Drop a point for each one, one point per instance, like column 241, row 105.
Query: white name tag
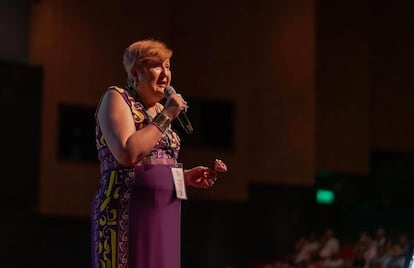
column 178, row 176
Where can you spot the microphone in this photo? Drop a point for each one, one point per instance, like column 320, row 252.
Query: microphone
column 182, row 117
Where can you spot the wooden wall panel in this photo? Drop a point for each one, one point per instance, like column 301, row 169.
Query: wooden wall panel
column 260, row 56
column 80, row 47
column 392, row 110
column 282, row 141
column 343, row 87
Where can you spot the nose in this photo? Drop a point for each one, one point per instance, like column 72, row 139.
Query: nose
column 162, row 73
column 164, row 70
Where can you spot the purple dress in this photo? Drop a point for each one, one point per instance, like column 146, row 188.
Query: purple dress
column 135, row 214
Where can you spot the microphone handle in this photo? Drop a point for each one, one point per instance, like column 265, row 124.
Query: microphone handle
column 182, row 117
column 185, row 122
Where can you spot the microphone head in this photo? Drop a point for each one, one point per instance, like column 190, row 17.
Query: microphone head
column 168, row 91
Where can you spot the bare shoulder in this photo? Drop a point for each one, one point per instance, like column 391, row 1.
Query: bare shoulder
column 113, row 93
column 113, row 103
column 113, row 97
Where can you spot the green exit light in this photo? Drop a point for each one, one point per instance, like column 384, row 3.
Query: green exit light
column 325, row 197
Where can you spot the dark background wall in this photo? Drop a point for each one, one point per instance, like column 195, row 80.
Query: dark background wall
column 14, row 29
column 322, row 97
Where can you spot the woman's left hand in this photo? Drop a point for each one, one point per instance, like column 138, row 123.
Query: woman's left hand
column 200, row 177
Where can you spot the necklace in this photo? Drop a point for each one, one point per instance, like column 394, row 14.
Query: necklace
column 166, row 136
column 131, row 89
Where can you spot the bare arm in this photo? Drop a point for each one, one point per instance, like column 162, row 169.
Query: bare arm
column 127, row 144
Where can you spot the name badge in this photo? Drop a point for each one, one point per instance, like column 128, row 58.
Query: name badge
column 178, row 176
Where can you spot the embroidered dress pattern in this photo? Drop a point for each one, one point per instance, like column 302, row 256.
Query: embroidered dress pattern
column 133, row 205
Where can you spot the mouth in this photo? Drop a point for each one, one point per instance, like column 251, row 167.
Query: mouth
column 162, row 83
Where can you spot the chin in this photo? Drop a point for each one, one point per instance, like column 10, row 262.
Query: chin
column 160, row 90
column 160, row 93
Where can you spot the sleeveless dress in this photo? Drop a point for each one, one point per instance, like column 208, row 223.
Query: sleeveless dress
column 135, row 215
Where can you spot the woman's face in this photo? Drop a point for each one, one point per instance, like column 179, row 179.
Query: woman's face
column 152, row 80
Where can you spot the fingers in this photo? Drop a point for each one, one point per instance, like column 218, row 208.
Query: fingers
column 204, row 177
column 210, row 175
column 206, row 181
column 210, row 178
column 178, row 100
column 176, row 104
column 182, row 104
column 219, row 166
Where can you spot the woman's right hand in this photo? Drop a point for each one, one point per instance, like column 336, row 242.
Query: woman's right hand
column 174, row 106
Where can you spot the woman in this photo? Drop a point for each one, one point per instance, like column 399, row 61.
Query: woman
column 136, row 210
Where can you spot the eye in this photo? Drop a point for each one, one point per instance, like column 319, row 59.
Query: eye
column 157, row 68
column 154, row 65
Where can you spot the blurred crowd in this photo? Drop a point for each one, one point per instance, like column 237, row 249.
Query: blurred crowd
column 369, row 250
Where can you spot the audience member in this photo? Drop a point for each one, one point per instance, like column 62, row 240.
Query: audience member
column 329, row 244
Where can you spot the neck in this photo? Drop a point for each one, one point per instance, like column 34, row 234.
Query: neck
column 148, row 103
column 146, row 100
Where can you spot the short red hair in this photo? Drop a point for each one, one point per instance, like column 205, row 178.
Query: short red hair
column 145, row 52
